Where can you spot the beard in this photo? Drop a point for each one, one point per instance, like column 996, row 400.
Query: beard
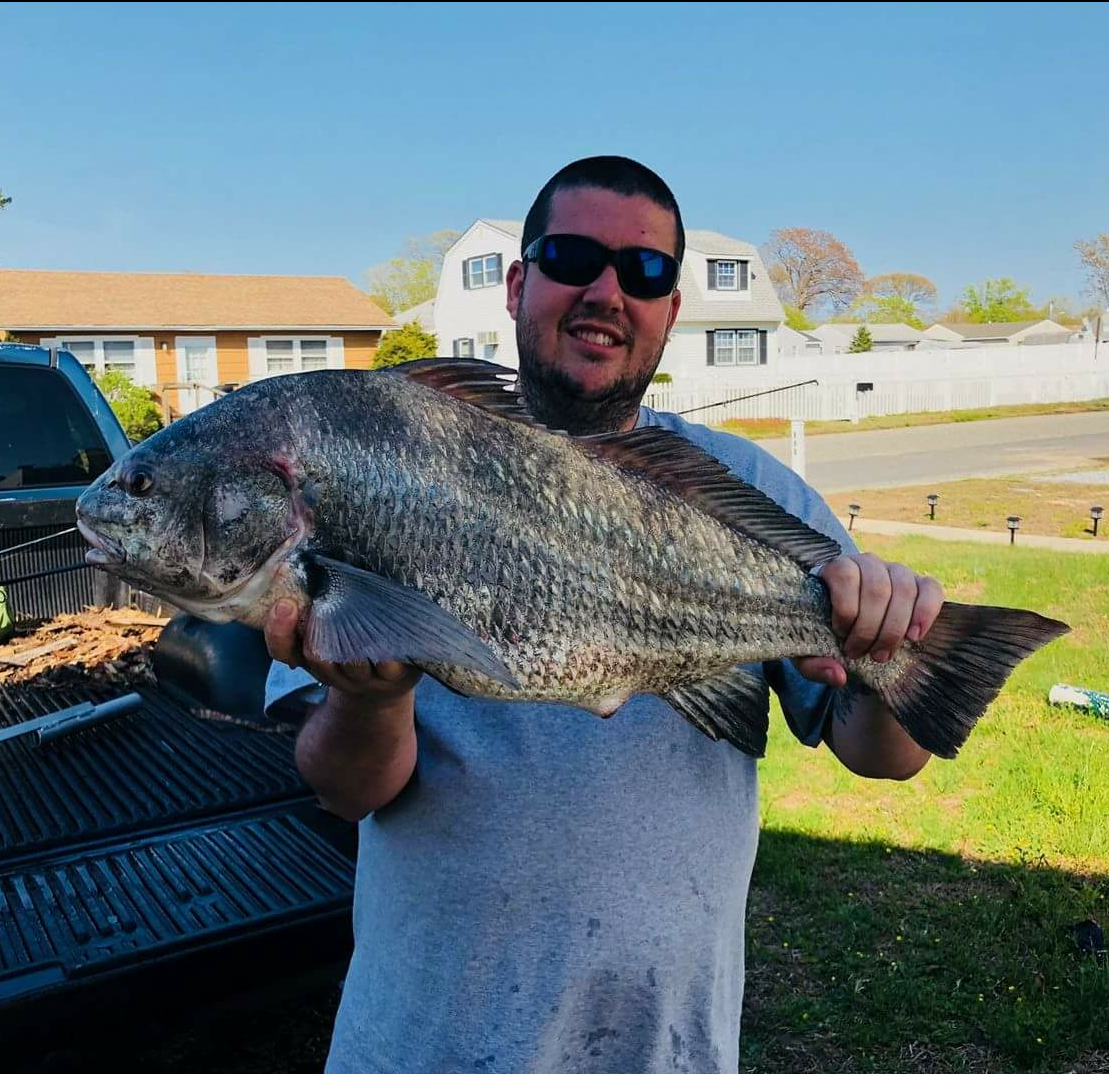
column 555, row 400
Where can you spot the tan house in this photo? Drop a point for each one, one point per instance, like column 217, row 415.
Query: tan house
column 186, row 334
column 1002, row 333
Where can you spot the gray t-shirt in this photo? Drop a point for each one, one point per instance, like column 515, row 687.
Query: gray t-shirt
column 553, row 892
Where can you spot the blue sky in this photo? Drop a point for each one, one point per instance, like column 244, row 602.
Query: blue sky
column 959, row 141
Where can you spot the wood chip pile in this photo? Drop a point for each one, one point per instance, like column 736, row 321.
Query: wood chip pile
column 111, row 646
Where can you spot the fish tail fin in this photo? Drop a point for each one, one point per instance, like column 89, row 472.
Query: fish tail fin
column 957, row 670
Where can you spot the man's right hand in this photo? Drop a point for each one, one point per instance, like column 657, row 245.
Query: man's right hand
column 378, row 684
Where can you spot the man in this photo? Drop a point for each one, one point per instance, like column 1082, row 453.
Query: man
column 539, row 890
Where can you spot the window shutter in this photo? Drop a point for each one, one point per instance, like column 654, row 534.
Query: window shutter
column 743, row 275
column 465, row 275
column 710, row 354
column 336, row 358
column 712, row 279
column 762, row 345
column 146, row 371
column 454, row 347
column 500, row 268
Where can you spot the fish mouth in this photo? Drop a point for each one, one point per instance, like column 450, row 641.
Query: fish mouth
column 104, row 551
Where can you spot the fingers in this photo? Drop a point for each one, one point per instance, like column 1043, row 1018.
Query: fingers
column 281, row 634
column 821, row 669
column 877, row 605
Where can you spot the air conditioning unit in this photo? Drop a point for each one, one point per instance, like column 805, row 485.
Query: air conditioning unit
column 488, row 339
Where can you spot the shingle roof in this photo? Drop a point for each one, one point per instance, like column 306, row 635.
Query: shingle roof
column 763, row 305
column 880, row 333
column 1002, row 329
column 129, row 300
column 513, row 227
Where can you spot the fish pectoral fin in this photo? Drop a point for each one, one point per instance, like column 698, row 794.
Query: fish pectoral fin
column 357, row 615
column 734, row 706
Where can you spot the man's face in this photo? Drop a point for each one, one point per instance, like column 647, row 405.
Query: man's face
column 572, row 377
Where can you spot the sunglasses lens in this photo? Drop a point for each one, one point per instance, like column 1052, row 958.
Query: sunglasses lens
column 647, row 273
column 571, row 259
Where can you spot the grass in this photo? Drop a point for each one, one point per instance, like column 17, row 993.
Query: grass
column 924, row 926
column 764, row 428
column 1056, row 509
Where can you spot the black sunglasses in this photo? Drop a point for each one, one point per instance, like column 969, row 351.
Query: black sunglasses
column 577, row 261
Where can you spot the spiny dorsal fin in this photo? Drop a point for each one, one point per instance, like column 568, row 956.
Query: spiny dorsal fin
column 678, row 465
column 657, row 455
column 483, row 384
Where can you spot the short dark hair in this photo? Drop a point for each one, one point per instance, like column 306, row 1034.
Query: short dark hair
column 618, row 174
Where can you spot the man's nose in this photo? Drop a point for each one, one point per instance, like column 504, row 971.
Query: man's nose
column 605, row 290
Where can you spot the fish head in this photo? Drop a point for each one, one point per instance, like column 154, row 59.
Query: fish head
column 193, row 520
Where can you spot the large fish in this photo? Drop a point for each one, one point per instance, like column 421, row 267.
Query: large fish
column 420, row 514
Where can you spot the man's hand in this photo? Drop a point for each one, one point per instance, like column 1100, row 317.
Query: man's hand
column 378, row 684
column 875, row 606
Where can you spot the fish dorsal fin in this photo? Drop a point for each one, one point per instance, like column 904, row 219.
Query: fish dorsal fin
column 482, row 384
column 669, row 460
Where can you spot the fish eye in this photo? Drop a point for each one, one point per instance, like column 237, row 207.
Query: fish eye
column 137, row 482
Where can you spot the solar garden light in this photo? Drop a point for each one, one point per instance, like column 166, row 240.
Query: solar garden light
column 1013, row 522
column 932, row 501
column 852, row 509
column 1095, row 515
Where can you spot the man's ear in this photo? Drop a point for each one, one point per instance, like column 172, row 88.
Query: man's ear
column 675, row 305
column 515, row 287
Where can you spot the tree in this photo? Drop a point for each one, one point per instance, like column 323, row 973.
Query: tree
column 405, row 344
column 4, row 202
column 888, row 309
column 410, row 279
column 810, row 268
column 135, row 406
column 910, row 286
column 796, row 319
column 861, row 341
column 1094, row 256
column 998, row 301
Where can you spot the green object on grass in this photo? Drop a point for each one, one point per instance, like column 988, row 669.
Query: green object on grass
column 1094, row 700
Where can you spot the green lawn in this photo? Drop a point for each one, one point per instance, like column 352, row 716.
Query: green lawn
column 923, row 926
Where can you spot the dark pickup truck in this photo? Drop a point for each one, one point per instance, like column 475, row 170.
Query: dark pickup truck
column 158, row 862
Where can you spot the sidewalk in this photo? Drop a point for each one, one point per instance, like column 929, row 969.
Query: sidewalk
column 1097, row 546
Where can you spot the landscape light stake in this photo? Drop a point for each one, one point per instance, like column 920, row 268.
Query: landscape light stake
column 852, row 510
column 1013, row 522
column 932, row 500
column 1095, row 515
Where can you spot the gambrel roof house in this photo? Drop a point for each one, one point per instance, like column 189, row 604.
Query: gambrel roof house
column 728, row 320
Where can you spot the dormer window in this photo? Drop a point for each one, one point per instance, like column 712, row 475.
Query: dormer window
column 727, row 275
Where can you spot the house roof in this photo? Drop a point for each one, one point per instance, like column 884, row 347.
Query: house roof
column 879, row 333
column 423, row 313
column 513, row 227
column 1002, row 329
column 135, row 300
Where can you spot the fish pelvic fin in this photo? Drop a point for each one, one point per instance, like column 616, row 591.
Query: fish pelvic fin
column 957, row 670
column 734, row 706
column 357, row 615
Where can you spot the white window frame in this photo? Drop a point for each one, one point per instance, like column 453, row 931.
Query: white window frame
column 99, row 362
column 483, row 268
column 298, row 365
column 734, row 346
column 734, row 285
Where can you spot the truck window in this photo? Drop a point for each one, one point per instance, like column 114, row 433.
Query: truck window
column 47, row 437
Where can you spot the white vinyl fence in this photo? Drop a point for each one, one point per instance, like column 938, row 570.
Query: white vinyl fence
column 851, row 386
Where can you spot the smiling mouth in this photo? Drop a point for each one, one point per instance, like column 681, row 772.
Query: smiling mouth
column 104, row 550
column 595, row 337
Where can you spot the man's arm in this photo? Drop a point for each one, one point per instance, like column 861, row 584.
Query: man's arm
column 875, row 606
column 357, row 750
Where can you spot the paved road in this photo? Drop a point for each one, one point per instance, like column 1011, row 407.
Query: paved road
column 925, row 454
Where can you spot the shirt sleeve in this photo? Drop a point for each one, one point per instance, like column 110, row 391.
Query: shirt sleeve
column 284, row 683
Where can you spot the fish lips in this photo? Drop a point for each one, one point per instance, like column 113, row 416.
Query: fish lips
column 104, row 551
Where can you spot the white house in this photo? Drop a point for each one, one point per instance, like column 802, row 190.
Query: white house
column 728, row 321
column 1002, row 333
column 836, row 336
column 795, row 344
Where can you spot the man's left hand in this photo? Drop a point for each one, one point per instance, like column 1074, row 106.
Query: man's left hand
column 875, row 606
